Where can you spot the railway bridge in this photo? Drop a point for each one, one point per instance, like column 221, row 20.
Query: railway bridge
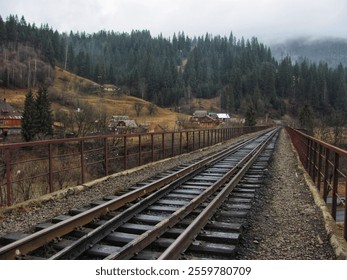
column 235, row 193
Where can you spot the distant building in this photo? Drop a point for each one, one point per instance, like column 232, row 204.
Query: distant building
column 110, row 88
column 122, row 124
column 10, row 119
column 223, row 117
column 201, row 119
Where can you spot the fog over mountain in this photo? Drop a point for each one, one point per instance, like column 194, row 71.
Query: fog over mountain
column 333, row 51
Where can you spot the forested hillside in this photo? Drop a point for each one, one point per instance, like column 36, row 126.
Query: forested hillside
column 170, row 71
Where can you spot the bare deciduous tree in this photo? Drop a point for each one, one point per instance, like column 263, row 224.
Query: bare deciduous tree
column 138, row 108
column 152, row 109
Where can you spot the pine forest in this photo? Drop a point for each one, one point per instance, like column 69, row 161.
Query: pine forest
column 170, row 71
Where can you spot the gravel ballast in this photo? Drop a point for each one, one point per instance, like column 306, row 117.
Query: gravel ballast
column 285, row 222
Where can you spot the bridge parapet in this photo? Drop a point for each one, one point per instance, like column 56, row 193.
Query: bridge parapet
column 327, row 166
column 32, row 169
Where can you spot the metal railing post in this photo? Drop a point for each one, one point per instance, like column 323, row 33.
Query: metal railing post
column 82, row 161
column 140, row 151
column 199, row 139
column 335, row 185
column 314, row 164
column 106, row 156
column 125, row 163
column 50, row 160
column 187, row 142
column 163, row 145
column 308, row 156
column 9, row 191
column 326, row 175
column 180, row 142
column 172, row 144
column 152, row 146
column 193, row 140
column 319, row 177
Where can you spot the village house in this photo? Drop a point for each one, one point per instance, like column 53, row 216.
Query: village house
column 110, row 88
column 121, row 124
column 201, row 119
column 10, row 119
column 223, row 117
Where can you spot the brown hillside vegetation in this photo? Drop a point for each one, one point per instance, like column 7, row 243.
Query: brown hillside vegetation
column 72, row 87
column 15, row 97
column 68, row 90
column 212, row 104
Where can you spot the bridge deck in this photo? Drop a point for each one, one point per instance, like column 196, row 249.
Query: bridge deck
column 285, row 223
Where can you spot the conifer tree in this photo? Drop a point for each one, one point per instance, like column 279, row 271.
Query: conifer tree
column 37, row 116
column 43, row 114
column 250, row 116
column 2, row 31
column 28, row 126
column 306, row 118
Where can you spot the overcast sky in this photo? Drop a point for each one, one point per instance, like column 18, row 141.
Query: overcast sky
column 268, row 20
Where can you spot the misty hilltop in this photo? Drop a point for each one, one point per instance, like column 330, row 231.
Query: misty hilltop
column 333, row 51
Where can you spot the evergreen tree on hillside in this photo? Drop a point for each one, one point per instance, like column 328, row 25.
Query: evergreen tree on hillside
column 28, row 118
column 340, row 101
column 306, row 119
column 250, row 119
column 37, row 116
column 49, row 52
column 11, row 28
column 2, row 31
column 285, row 78
column 43, row 115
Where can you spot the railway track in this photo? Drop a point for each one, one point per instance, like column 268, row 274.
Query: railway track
column 194, row 211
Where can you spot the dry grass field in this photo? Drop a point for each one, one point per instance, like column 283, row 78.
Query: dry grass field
column 15, row 97
column 71, row 89
column 112, row 104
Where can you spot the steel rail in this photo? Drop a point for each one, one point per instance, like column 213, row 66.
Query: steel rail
column 143, row 240
column 91, row 238
column 81, row 245
column 146, row 238
column 185, row 238
column 33, row 241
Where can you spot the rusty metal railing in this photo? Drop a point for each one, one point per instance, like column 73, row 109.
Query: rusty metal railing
column 327, row 166
column 29, row 170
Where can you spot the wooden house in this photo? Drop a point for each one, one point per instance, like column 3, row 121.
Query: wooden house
column 10, row 119
column 110, row 88
column 122, row 124
column 223, row 117
column 201, row 119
